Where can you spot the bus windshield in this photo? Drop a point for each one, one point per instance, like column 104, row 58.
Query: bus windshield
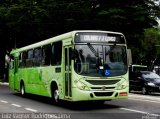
column 100, row 60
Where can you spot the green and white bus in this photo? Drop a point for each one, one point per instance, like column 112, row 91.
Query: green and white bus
column 84, row 65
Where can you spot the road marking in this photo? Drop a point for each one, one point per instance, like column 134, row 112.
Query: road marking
column 3, row 101
column 16, row 105
column 144, row 100
column 32, row 110
column 142, row 112
column 144, row 96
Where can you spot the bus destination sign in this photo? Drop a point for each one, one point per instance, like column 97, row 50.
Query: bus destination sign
column 99, row 38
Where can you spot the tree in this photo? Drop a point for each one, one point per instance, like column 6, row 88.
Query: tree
column 39, row 19
column 151, row 47
column 23, row 22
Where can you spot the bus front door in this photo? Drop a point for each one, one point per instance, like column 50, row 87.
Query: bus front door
column 68, row 91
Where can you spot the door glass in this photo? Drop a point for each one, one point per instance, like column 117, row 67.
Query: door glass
column 66, row 59
column 70, row 51
column 68, row 72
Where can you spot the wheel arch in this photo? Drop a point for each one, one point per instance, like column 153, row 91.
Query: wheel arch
column 21, row 83
column 53, row 86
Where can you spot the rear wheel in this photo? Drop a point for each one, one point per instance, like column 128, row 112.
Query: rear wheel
column 55, row 96
column 22, row 89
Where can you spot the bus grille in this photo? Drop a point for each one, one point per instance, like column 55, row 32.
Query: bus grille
column 100, row 88
column 103, row 82
column 103, row 93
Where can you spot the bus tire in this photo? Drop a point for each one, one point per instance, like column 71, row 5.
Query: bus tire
column 55, row 95
column 22, row 89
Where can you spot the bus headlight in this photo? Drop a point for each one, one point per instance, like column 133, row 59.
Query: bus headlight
column 122, row 85
column 81, row 85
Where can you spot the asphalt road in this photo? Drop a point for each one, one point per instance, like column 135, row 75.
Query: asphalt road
column 138, row 106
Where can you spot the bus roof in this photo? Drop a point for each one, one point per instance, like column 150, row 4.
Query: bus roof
column 57, row 38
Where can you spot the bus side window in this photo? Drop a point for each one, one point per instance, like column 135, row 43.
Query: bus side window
column 11, row 63
column 24, row 57
column 20, row 60
column 56, row 53
column 53, row 55
column 46, row 55
column 29, row 60
column 37, row 57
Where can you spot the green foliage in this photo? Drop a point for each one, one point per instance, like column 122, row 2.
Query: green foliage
column 29, row 21
column 151, row 46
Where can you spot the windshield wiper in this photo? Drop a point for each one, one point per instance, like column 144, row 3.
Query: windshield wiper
column 92, row 49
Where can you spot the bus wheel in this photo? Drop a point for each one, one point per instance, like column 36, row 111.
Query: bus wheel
column 55, row 96
column 22, row 90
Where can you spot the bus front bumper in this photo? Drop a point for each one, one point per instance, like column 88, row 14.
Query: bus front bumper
column 82, row 95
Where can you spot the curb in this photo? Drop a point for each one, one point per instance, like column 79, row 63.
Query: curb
column 4, row 83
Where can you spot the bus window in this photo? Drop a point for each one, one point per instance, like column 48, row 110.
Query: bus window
column 11, row 63
column 56, row 53
column 70, row 55
column 37, row 57
column 24, row 57
column 53, row 55
column 29, row 60
column 20, row 60
column 46, row 55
